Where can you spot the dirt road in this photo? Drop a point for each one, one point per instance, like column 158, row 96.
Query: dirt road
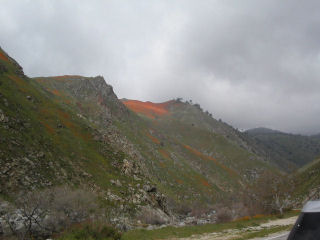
column 277, row 236
column 236, row 233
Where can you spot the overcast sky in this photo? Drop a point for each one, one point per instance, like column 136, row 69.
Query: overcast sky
column 250, row 62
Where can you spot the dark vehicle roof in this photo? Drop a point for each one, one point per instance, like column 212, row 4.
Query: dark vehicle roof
column 307, row 226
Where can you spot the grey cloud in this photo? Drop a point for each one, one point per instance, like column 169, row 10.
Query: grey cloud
column 251, row 63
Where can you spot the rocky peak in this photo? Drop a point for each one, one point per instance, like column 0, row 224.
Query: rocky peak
column 80, row 86
column 105, row 89
column 86, row 92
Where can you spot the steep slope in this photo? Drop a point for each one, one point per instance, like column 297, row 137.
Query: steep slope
column 295, row 149
column 94, row 101
column 204, row 156
column 44, row 142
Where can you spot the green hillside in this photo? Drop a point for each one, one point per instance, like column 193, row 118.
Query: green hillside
column 45, row 143
column 286, row 148
column 170, row 158
column 308, row 181
column 189, row 155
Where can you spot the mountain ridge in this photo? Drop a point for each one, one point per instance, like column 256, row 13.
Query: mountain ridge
column 170, row 158
column 262, row 130
column 154, row 123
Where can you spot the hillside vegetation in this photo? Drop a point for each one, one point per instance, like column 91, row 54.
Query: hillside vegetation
column 308, row 178
column 188, row 155
column 45, row 143
column 287, row 148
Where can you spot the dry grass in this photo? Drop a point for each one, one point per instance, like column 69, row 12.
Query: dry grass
column 230, row 171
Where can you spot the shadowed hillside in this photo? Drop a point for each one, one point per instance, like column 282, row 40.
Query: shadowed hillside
column 283, row 147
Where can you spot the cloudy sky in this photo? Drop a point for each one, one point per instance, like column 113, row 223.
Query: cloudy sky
column 252, row 63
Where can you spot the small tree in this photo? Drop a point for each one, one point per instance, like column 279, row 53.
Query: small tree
column 274, row 191
column 42, row 213
column 31, row 209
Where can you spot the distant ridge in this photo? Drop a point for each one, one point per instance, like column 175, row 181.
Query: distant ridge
column 279, row 146
column 262, row 130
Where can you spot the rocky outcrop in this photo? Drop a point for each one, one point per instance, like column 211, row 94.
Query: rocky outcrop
column 93, row 97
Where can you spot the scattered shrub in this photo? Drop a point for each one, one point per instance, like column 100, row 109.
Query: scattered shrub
column 179, row 208
column 42, row 213
column 149, row 216
column 224, row 216
column 91, row 232
column 199, row 210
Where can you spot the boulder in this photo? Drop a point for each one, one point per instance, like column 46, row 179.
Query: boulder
column 150, row 189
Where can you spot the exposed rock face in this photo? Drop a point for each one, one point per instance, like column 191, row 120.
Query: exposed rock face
column 88, row 89
column 92, row 95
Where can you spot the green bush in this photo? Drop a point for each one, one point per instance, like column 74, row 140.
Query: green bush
column 91, row 232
